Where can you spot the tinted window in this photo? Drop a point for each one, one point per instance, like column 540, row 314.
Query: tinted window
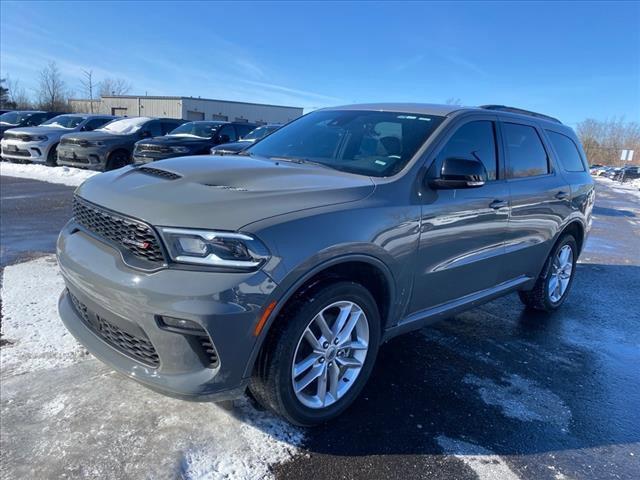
column 197, row 129
column 567, row 152
column 229, row 132
column 475, row 140
column 168, row 126
column 363, row 142
column 96, row 123
column 154, row 128
column 36, row 119
column 64, row 121
column 526, row 156
column 244, row 129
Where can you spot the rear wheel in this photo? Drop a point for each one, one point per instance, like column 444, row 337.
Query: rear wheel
column 117, row 159
column 553, row 284
column 52, row 156
column 319, row 355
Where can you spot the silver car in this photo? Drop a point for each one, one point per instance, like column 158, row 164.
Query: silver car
column 39, row 144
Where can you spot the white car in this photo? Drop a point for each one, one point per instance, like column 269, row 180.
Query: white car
column 39, row 144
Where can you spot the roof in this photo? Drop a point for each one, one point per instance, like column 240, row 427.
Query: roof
column 161, row 97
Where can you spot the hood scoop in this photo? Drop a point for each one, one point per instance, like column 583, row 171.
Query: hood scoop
column 156, row 172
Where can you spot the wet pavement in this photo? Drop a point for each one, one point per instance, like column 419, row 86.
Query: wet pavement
column 33, row 213
column 498, row 392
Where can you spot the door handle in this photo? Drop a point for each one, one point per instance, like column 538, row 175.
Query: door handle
column 562, row 195
column 497, row 204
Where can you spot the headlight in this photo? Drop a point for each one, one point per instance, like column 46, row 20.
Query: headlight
column 97, row 143
column 37, row 138
column 215, row 249
column 180, row 149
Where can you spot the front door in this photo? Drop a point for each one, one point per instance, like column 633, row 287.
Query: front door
column 463, row 230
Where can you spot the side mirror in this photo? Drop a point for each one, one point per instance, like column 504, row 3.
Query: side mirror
column 459, row 173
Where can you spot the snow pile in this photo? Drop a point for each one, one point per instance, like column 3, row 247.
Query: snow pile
column 64, row 175
column 631, row 187
column 36, row 337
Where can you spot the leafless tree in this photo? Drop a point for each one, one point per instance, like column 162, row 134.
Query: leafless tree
column 88, row 86
column 114, row 86
column 52, row 93
column 603, row 141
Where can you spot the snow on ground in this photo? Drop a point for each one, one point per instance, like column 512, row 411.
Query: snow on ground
column 64, row 175
column 30, row 322
column 108, row 426
column 631, row 187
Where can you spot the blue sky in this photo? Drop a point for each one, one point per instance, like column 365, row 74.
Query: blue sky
column 572, row 60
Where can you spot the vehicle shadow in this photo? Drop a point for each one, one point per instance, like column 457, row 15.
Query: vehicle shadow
column 510, row 380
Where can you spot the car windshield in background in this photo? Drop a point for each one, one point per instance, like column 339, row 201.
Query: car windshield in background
column 124, row 126
column 14, row 118
column 364, row 142
column 63, row 121
column 258, row 133
column 196, row 129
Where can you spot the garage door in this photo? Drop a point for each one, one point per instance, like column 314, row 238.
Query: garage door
column 192, row 116
column 119, row 112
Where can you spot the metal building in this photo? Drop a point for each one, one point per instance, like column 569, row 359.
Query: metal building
column 188, row 108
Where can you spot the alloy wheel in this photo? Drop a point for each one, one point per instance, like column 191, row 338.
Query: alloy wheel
column 561, row 271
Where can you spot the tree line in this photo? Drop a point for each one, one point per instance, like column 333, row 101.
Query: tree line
column 52, row 93
column 603, row 141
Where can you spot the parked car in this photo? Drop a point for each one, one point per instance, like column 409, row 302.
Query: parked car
column 611, row 172
column 23, row 118
column 110, row 147
column 630, row 172
column 39, row 144
column 192, row 138
column 245, row 142
column 284, row 270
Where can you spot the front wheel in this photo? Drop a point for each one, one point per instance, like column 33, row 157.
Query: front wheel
column 117, row 159
column 553, row 284
column 52, row 156
column 319, row 355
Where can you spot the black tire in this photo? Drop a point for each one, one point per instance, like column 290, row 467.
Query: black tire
column 52, row 156
column 271, row 384
column 117, row 159
column 538, row 297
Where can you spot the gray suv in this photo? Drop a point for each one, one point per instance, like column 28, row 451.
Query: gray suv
column 283, row 270
column 110, row 147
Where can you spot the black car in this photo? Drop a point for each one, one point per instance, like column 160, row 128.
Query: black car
column 627, row 173
column 193, row 138
column 24, row 118
column 245, row 142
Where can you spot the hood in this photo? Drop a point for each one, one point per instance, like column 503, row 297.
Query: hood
column 42, row 130
column 174, row 140
column 224, row 193
column 234, row 146
column 103, row 136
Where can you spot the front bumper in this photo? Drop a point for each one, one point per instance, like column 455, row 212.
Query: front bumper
column 92, row 158
column 225, row 305
column 31, row 151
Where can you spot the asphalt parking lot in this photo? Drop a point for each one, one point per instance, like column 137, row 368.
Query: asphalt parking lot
column 498, row 392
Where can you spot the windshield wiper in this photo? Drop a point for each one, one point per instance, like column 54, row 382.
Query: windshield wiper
column 302, row 161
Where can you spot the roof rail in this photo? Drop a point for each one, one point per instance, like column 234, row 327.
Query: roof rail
column 504, row 108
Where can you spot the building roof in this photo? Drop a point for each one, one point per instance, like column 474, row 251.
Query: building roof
column 161, row 97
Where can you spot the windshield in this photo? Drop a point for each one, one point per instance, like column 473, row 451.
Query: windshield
column 364, row 142
column 196, row 129
column 64, row 121
column 259, row 132
column 14, row 118
column 124, row 126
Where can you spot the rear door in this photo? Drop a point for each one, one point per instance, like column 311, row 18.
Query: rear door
column 463, row 230
column 540, row 197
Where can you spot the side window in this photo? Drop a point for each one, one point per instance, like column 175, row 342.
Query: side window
column 36, row 119
column 474, row 140
column 244, row 129
column 154, row 128
column 96, row 123
column 526, row 156
column 229, row 132
column 169, row 126
column 567, row 151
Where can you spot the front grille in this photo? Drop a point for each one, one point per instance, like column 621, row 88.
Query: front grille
column 17, row 136
column 73, row 141
column 73, row 159
column 17, row 152
column 134, row 236
column 152, row 148
column 159, row 173
column 137, row 347
column 210, row 351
